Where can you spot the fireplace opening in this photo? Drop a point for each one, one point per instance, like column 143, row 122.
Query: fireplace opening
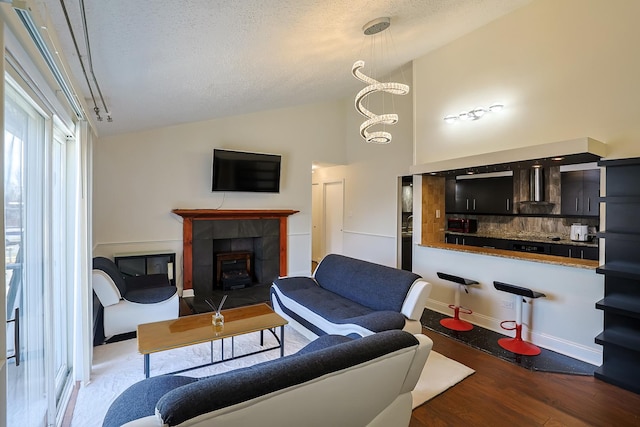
column 233, row 270
column 246, row 251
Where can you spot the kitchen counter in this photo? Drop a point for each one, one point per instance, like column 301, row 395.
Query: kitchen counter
column 530, row 237
column 528, row 256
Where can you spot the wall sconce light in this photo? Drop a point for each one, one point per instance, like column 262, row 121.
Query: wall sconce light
column 475, row 114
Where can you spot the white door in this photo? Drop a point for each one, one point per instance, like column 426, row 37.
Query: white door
column 316, row 222
column 333, row 217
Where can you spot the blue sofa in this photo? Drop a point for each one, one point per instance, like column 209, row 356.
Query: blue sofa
column 351, row 297
column 333, row 381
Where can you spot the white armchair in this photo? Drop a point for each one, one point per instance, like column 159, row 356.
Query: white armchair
column 130, row 301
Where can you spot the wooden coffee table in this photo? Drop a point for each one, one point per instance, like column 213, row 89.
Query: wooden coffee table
column 196, row 329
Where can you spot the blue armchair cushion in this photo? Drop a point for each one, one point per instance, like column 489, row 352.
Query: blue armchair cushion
column 336, row 308
column 140, row 399
column 150, row 295
column 147, row 281
column 372, row 285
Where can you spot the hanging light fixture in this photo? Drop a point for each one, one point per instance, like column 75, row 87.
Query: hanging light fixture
column 381, row 136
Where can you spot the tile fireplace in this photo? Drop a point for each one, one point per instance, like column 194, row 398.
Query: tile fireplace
column 258, row 237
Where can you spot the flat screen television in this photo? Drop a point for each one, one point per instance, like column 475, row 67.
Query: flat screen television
column 244, row 171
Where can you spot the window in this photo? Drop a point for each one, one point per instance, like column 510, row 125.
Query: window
column 39, row 250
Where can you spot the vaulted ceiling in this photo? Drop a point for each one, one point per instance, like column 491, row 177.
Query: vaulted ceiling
column 166, row 62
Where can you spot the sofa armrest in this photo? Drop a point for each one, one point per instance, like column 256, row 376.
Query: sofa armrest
column 105, row 289
column 416, row 299
column 419, row 360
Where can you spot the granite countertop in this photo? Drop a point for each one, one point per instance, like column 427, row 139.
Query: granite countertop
column 531, row 237
column 528, row 256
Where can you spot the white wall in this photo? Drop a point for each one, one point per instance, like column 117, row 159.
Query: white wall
column 371, row 179
column 140, row 177
column 564, row 69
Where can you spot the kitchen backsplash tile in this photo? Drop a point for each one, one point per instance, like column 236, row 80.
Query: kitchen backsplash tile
column 532, row 225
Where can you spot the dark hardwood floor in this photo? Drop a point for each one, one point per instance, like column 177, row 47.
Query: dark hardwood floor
column 500, row 393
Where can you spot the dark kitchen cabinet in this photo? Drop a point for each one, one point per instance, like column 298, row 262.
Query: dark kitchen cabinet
column 580, row 191
column 481, row 195
column 407, row 254
column 450, row 195
column 461, row 239
column 530, row 247
column 471, row 240
column 575, row 251
column 620, row 338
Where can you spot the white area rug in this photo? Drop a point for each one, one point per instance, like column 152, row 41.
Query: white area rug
column 117, row 366
column 439, row 374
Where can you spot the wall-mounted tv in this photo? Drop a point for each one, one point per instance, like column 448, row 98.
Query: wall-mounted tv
column 244, row 171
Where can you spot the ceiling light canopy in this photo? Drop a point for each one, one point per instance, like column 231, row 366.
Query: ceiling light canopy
column 380, row 136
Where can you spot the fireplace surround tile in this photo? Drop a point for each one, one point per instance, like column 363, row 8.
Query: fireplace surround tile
column 202, row 230
column 261, row 237
column 207, row 224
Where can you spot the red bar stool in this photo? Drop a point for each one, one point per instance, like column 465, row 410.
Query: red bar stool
column 455, row 323
column 517, row 345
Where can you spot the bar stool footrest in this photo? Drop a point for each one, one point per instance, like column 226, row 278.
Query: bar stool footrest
column 515, row 325
column 460, row 309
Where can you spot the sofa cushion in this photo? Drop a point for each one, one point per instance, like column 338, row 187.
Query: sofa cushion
column 150, row 295
column 240, row 385
column 324, row 341
column 336, row 308
column 372, row 285
column 140, row 399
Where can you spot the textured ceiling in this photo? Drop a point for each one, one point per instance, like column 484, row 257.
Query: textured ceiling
column 161, row 62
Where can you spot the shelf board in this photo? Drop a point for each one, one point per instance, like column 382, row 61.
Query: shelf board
column 625, row 270
column 620, row 199
column 621, row 304
column 619, row 375
column 618, row 235
column 622, row 336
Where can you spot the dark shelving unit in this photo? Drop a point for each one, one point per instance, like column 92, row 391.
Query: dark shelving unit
column 620, row 338
column 143, row 263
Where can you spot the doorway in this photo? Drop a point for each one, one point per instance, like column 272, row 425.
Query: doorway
column 405, row 207
column 327, row 219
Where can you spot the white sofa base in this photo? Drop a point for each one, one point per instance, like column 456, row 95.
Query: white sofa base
column 376, row 393
column 124, row 316
column 414, row 304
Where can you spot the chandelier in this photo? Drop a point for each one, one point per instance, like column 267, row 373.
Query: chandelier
column 380, row 136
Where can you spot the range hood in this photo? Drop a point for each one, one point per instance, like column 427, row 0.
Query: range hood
column 536, row 186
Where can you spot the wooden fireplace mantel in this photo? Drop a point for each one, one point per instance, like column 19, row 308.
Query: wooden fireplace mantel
column 190, row 215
